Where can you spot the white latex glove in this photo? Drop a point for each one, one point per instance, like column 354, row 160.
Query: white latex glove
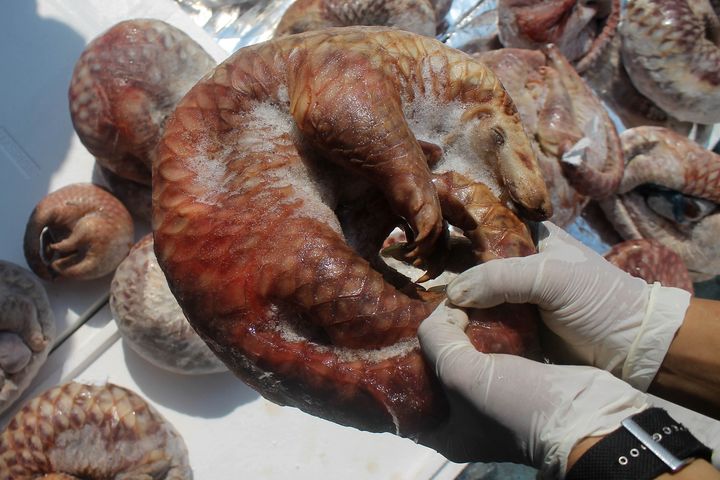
column 530, row 412
column 606, row 317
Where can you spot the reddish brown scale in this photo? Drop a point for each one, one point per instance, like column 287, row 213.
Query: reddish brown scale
column 683, row 214
column 651, row 261
column 603, row 41
column 253, row 167
column 544, row 25
column 416, row 16
column 582, row 30
column 671, row 51
column 79, row 231
column 91, row 432
column 124, row 85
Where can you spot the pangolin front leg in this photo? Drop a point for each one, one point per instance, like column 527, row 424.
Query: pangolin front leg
column 352, row 111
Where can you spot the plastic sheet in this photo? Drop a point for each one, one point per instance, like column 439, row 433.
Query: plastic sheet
column 236, row 23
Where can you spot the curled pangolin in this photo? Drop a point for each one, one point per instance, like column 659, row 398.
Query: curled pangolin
column 652, row 261
column 417, row 16
column 573, row 137
column 670, row 193
column 610, row 81
column 79, row 231
column 671, row 51
column 581, row 29
column 27, row 330
column 291, row 162
column 124, row 85
column 92, row 432
column 150, row 319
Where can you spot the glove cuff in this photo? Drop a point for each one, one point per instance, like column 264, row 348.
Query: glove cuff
column 663, row 317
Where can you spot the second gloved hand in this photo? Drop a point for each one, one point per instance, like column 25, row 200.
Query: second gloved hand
column 508, row 408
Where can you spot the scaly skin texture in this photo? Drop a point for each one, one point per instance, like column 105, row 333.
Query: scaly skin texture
column 150, row 319
column 651, row 261
column 77, row 431
column 417, row 16
column 582, row 30
column 558, row 110
column 124, row 85
column 136, row 197
column 79, row 231
column 688, row 224
column 27, row 330
column 671, row 51
column 609, row 79
column 258, row 158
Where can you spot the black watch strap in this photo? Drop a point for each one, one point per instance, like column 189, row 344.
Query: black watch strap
column 647, row 445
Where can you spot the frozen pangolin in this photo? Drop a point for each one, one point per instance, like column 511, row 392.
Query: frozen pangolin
column 91, row 432
column 581, row 29
column 27, row 330
column 79, row 231
column 670, row 193
column 124, row 85
column 652, row 261
column 291, row 162
column 136, row 197
column 610, row 81
column 417, row 16
column 671, row 51
column 574, row 139
column 150, row 319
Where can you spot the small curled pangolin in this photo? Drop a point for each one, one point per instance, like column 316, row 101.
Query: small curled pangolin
column 263, row 235
column 671, row 51
column 417, row 16
column 124, row 85
column 670, row 193
column 652, row 261
column 79, row 231
column 610, row 81
column 27, row 330
column 150, row 319
column 91, row 432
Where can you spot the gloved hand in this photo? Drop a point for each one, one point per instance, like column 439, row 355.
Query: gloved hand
column 606, row 317
column 508, row 408
column 505, row 408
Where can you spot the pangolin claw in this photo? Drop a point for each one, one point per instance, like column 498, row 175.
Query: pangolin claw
column 79, row 231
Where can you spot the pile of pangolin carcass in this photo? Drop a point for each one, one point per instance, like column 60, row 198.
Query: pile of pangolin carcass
column 276, row 183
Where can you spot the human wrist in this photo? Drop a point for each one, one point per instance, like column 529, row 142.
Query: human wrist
column 663, row 317
column 645, row 446
column 580, row 449
column 598, row 404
